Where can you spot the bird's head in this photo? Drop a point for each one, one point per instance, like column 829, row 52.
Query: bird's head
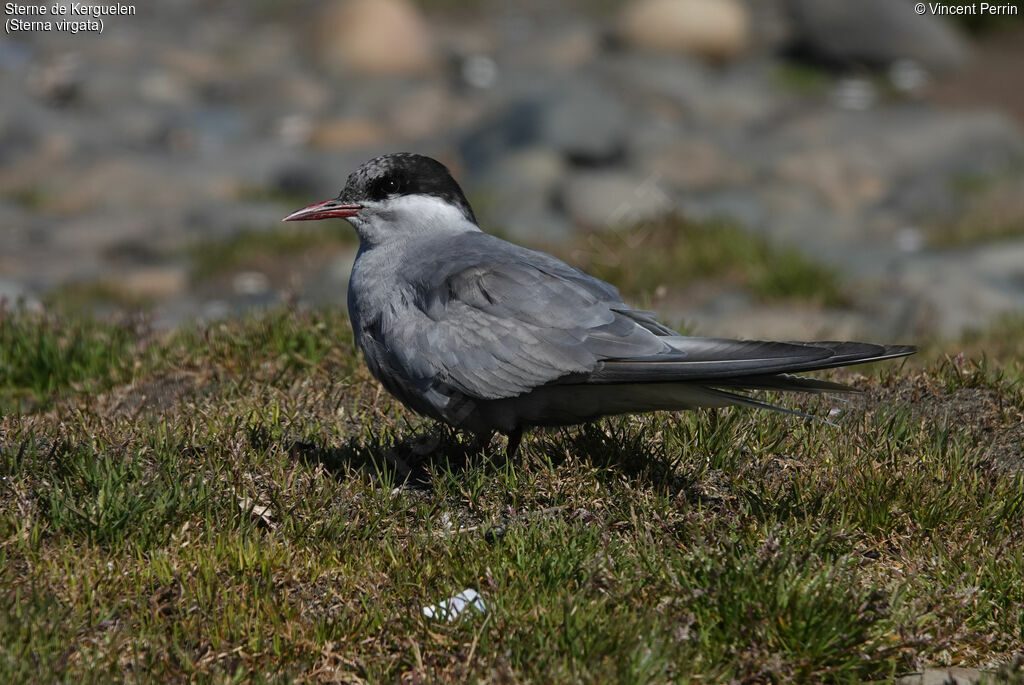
column 396, row 196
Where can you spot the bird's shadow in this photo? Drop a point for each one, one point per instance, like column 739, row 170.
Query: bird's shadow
column 614, row 446
column 411, row 459
column 407, row 460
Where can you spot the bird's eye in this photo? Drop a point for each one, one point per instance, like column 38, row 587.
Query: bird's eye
column 384, row 186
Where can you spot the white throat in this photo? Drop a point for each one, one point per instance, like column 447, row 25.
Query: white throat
column 409, row 216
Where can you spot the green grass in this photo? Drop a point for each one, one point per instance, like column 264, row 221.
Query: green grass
column 242, row 502
column 42, row 356
column 674, row 252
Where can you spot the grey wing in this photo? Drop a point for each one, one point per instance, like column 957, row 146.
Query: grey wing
column 493, row 320
column 511, row 320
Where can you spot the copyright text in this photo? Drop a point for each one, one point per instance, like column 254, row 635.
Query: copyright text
column 972, row 8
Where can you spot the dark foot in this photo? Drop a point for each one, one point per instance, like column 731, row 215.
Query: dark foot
column 483, row 440
column 514, row 438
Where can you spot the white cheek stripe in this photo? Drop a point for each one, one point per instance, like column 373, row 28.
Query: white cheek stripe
column 412, row 215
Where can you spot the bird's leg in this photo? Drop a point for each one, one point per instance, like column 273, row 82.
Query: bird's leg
column 483, row 440
column 514, row 438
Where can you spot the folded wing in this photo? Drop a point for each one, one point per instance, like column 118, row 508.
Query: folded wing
column 493, row 320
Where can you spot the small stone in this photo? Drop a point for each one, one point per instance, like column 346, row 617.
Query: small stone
column 420, row 113
column 855, row 94
column 58, row 82
column 520, row 188
column 712, row 29
column 250, row 283
column 350, row 132
column 874, row 33
column 165, row 88
column 153, row 282
column 479, row 71
column 295, row 129
column 614, row 199
column 375, row 37
column 587, row 121
column 908, row 76
column 14, row 295
column 572, row 47
column 909, row 239
column 695, row 164
column 844, row 184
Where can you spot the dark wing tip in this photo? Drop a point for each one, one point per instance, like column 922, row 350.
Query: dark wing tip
column 849, row 353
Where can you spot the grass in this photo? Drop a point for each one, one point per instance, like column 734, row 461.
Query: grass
column 243, row 503
column 41, row 356
column 673, row 252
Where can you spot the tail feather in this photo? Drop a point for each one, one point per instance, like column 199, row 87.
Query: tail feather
column 699, row 372
column 786, row 382
column 752, row 403
column 717, row 359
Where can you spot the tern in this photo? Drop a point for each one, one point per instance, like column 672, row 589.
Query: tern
column 488, row 336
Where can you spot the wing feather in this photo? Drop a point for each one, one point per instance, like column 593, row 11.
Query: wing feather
column 493, row 320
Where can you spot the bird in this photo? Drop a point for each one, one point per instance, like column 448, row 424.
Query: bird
column 491, row 337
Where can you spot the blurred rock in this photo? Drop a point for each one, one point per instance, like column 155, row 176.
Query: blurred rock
column 535, row 225
column 295, row 129
column 305, row 94
column 854, row 93
column 168, row 140
column 711, row 29
column 375, row 37
column 478, row 71
column 201, row 67
column 422, row 112
column 329, row 285
column 349, row 132
column 731, row 204
column 845, row 187
column 14, row 295
column 968, row 292
column 573, row 47
column 527, row 174
column 874, row 33
column 694, row 164
column 296, row 179
column 613, row 199
column 993, row 208
column 771, row 27
column 515, row 126
column 760, row 321
column 58, row 81
column 683, row 91
column 518, row 193
column 586, row 120
column 250, row 283
column 165, row 88
column 907, row 76
column 908, row 158
column 153, row 282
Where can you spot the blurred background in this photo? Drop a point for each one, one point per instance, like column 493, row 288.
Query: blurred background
column 758, row 168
